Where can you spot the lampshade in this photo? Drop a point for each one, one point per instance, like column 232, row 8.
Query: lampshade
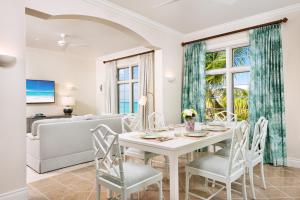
column 143, row 101
column 68, row 101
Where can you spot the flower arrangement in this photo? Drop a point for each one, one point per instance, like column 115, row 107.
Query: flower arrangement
column 189, row 116
column 189, row 113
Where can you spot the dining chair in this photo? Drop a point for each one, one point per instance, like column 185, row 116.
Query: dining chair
column 156, row 120
column 227, row 118
column 123, row 178
column 223, row 169
column 254, row 155
column 132, row 123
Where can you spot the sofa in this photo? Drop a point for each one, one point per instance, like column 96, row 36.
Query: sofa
column 58, row 143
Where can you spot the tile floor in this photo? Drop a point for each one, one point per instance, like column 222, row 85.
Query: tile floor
column 79, row 184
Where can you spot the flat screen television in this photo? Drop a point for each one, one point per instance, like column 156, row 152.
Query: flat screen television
column 40, row 91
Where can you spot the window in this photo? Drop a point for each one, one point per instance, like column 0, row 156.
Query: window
column 128, row 89
column 227, row 81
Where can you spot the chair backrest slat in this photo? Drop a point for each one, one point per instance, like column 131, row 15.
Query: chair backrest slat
column 131, row 123
column 259, row 136
column 107, row 154
column 156, row 120
column 226, row 117
column 239, row 144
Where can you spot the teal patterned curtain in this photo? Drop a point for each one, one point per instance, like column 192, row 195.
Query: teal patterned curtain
column 193, row 94
column 266, row 90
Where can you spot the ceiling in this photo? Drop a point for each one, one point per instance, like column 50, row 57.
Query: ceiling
column 192, row 15
column 98, row 38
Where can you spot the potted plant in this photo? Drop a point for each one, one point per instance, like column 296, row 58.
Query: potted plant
column 189, row 116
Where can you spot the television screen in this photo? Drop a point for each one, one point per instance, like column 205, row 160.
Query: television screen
column 40, row 91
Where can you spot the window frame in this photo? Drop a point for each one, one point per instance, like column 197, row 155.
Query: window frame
column 229, row 69
column 130, row 81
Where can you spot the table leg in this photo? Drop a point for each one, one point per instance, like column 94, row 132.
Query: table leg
column 174, row 179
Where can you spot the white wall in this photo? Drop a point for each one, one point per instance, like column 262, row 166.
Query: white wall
column 159, row 36
column 291, row 61
column 65, row 70
column 291, row 52
column 12, row 98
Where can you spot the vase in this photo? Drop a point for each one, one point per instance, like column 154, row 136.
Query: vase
column 190, row 124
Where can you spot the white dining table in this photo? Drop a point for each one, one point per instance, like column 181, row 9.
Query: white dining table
column 173, row 148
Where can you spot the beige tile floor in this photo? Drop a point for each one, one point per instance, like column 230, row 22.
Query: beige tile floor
column 79, row 184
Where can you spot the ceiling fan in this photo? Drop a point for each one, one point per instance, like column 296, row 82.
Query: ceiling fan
column 167, row 2
column 65, row 43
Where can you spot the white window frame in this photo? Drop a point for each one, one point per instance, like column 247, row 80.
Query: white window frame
column 229, row 70
column 131, row 81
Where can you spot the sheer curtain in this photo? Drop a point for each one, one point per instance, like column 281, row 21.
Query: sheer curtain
column 146, row 85
column 111, row 102
column 193, row 91
column 267, row 91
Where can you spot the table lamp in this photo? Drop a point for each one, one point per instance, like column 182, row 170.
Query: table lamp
column 68, row 102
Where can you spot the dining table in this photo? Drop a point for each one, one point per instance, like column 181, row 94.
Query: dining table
column 174, row 142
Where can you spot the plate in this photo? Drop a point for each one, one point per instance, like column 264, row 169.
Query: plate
column 197, row 134
column 216, row 128
column 149, row 136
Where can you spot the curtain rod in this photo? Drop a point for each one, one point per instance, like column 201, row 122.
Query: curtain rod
column 284, row 20
column 138, row 54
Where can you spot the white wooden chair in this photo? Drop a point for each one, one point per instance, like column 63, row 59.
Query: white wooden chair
column 132, row 123
column 227, row 118
column 156, row 120
column 223, row 169
column 254, row 155
column 121, row 178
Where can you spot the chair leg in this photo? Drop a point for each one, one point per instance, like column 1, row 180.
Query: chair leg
column 161, row 196
column 192, row 156
column 252, row 181
column 123, row 195
column 263, row 174
column 187, row 186
column 213, row 183
column 244, row 185
column 228, row 190
column 98, row 191
column 166, row 163
column 206, row 182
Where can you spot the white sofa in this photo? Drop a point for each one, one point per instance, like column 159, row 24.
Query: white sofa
column 59, row 143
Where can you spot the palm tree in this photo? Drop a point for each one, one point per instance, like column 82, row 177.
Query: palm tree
column 215, row 90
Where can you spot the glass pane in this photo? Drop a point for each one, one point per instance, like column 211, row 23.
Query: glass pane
column 215, row 95
column 241, row 56
column 123, row 74
column 215, row 60
column 135, row 97
column 135, row 72
column 241, row 94
column 124, row 98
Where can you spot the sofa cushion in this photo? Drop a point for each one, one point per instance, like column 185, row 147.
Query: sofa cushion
column 35, row 125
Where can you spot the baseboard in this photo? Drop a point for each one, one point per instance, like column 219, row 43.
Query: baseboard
column 19, row 194
column 293, row 162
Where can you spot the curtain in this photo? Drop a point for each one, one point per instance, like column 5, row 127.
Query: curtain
column 266, row 90
column 193, row 94
column 146, row 86
column 111, row 102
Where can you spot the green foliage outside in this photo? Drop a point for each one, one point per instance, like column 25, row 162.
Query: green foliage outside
column 216, row 90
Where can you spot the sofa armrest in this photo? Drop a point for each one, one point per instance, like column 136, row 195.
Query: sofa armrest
column 32, row 137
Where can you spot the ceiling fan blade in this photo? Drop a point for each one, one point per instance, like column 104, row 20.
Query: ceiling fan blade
column 165, row 3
